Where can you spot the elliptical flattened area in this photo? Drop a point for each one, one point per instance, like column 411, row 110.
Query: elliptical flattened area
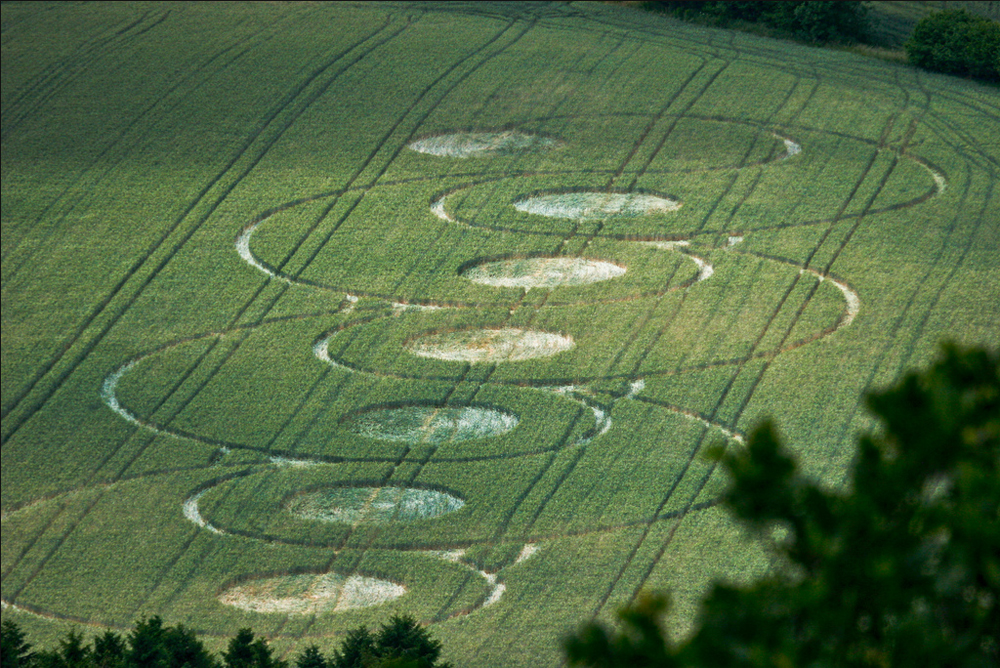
column 374, row 505
column 420, row 423
column 542, row 272
column 592, row 205
column 490, row 345
column 310, row 593
column 472, row 144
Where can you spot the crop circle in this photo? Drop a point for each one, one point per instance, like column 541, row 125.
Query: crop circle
column 377, row 505
column 542, row 272
column 592, row 205
column 310, row 593
column 419, row 423
column 490, row 345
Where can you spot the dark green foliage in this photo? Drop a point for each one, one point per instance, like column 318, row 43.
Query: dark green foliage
column 73, row 652
column 245, row 651
column 402, row 638
column 14, row 651
column 641, row 644
column 358, row 646
column 150, row 644
column 109, row 650
column 820, row 21
column 311, row 658
column 956, row 42
column 145, row 644
column 184, row 650
column 810, row 21
column 399, row 643
column 901, row 570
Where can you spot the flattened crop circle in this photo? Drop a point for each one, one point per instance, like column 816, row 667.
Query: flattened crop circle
column 472, row 144
column 594, row 205
column 310, row 593
column 490, row 345
column 373, row 505
column 419, row 423
column 542, row 272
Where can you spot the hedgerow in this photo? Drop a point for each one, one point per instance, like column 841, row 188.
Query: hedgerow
column 956, row 42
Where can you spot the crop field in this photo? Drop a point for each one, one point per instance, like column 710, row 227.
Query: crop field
column 314, row 313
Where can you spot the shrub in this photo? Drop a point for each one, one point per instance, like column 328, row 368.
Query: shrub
column 819, row 21
column 810, row 21
column 956, row 42
column 899, row 568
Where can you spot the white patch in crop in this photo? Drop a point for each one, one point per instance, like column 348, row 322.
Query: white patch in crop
column 582, row 396
column 453, row 556
column 243, row 248
column 732, row 241
column 109, row 394
column 668, row 245
column 192, row 513
column 596, row 205
column 439, row 209
column 400, row 308
column 729, row 433
column 432, row 424
column 373, row 505
column 542, row 272
column 321, row 349
column 791, row 147
column 490, row 345
column 527, row 552
column 850, row 296
column 939, row 181
column 705, row 270
column 287, row 462
column 495, row 595
column 351, row 300
column 310, row 594
column 473, row 144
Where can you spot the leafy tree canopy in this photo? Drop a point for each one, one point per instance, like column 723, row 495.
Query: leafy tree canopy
column 902, row 569
column 814, row 21
column 15, row 651
column 399, row 643
column 246, row 651
column 956, row 42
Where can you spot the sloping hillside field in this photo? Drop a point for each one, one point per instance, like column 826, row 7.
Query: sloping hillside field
column 315, row 313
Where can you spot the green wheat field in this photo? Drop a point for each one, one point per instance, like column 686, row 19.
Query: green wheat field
column 317, row 313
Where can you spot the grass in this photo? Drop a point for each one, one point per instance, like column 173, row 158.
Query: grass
column 215, row 220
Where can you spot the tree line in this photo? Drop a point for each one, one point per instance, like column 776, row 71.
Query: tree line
column 399, row 643
column 951, row 41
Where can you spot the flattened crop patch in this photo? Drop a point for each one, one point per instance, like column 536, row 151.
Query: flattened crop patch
column 472, row 144
column 432, row 424
column 311, row 593
column 590, row 205
column 373, row 505
column 542, row 272
column 490, row 345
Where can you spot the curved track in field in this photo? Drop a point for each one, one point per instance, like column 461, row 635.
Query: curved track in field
column 703, row 252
